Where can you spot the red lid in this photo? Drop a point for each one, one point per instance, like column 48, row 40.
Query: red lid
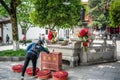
column 30, row 70
column 19, row 66
column 43, row 72
column 60, row 74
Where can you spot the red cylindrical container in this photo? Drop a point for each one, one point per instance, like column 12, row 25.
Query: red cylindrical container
column 17, row 68
column 29, row 71
column 60, row 75
column 44, row 74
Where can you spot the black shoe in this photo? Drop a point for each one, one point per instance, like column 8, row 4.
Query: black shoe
column 22, row 78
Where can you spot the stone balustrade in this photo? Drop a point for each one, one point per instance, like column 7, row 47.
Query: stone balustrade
column 98, row 52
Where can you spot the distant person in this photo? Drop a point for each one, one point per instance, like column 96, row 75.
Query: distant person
column 33, row 51
column 7, row 39
column 114, row 40
column 43, row 38
column 50, row 35
column 40, row 36
column 0, row 39
column 24, row 40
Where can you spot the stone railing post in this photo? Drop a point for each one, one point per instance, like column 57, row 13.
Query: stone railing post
column 105, row 43
column 83, row 57
column 115, row 47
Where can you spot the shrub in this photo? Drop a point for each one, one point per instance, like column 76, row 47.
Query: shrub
column 20, row 52
column 27, row 41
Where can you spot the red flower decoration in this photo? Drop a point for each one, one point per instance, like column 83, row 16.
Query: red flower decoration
column 84, row 36
column 85, row 44
column 83, row 32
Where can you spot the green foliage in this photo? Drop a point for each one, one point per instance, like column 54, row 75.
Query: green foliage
column 18, row 53
column 23, row 9
column 115, row 14
column 28, row 41
column 99, row 10
column 23, row 14
column 3, row 12
column 55, row 14
column 96, row 23
column 10, row 6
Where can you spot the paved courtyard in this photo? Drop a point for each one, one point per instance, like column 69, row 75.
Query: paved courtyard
column 104, row 71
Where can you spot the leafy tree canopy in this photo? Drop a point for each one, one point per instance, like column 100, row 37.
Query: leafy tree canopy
column 3, row 12
column 55, row 14
column 99, row 11
column 10, row 6
column 115, row 13
column 23, row 17
column 23, row 10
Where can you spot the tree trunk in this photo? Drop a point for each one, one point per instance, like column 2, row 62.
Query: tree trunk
column 12, row 12
column 14, row 25
column 15, row 45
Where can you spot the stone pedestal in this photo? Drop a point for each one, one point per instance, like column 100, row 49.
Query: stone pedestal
column 83, row 57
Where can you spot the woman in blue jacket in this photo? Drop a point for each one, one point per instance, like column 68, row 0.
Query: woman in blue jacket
column 33, row 51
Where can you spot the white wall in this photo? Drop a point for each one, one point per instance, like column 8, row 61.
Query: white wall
column 33, row 33
column 7, row 29
column 84, row 0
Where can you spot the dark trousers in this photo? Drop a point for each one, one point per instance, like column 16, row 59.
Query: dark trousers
column 24, row 42
column 29, row 57
column 7, row 41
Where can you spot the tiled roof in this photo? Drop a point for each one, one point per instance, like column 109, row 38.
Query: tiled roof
column 4, row 20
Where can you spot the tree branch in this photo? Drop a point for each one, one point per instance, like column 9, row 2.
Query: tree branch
column 5, row 6
column 55, row 23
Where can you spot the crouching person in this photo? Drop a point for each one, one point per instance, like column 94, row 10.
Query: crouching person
column 33, row 51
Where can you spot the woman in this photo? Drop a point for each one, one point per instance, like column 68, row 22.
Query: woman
column 50, row 35
column 33, row 51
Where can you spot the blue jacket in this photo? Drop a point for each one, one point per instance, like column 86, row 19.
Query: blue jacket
column 40, row 48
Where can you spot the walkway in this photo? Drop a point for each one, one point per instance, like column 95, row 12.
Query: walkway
column 105, row 71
